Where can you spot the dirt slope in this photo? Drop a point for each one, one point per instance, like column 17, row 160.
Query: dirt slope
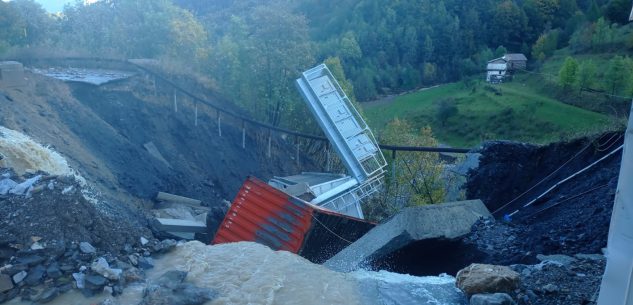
column 101, row 130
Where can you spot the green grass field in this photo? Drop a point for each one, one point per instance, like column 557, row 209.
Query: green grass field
column 514, row 112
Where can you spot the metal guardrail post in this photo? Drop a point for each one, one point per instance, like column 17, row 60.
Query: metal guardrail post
column 617, row 282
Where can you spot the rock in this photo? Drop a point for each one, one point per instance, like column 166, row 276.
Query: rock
column 559, row 259
column 53, row 271
column 5, row 283
column 165, row 246
column 133, row 259
column 550, row 288
column 481, row 278
column 109, row 301
column 169, row 289
column 31, row 260
column 492, row 299
column 19, row 277
column 133, row 275
column 35, row 276
column 37, row 246
column 144, row 241
column 87, row 248
column 145, row 262
column 446, row 221
column 102, row 267
column 48, row 295
column 95, row 282
column 80, row 280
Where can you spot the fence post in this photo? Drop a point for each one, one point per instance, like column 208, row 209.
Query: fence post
column 297, row 149
column 195, row 121
column 219, row 122
column 327, row 157
column 393, row 166
column 270, row 138
column 175, row 101
column 243, row 134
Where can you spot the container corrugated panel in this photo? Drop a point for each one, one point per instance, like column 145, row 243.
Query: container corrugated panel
column 263, row 214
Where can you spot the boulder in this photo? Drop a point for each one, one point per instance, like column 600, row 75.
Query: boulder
column 481, row 278
column 492, row 299
column 5, row 283
column 102, row 267
column 445, row 221
column 35, row 276
column 95, row 282
column 48, row 295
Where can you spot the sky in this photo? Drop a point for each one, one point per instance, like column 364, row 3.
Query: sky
column 54, row 6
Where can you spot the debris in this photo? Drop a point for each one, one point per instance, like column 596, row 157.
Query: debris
column 67, row 190
column 6, row 185
column 87, row 248
column 492, row 299
column 161, row 196
column 24, row 187
column 481, row 278
column 550, row 288
column 180, row 225
column 440, row 221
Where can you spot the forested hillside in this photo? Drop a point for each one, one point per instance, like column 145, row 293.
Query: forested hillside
column 254, row 49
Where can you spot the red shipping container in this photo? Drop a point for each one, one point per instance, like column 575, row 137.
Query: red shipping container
column 266, row 215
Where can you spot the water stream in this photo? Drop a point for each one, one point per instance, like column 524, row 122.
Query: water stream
column 249, row 273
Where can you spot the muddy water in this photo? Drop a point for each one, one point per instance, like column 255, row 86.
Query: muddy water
column 23, row 154
column 249, row 273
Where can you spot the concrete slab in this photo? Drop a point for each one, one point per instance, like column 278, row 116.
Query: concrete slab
column 446, row 221
column 180, row 225
column 162, row 196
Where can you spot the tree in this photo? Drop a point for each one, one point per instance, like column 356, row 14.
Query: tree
column 545, row 45
column 586, row 74
column 618, row 11
column 617, row 74
column 500, row 51
column 446, row 109
column 509, row 25
column 417, row 179
column 568, row 73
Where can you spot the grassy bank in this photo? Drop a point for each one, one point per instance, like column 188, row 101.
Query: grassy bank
column 510, row 111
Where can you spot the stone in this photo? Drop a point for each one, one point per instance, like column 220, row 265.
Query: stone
column 37, row 246
column 550, row 288
column 53, row 271
column 133, row 259
column 145, row 262
column 492, row 299
column 48, row 295
column 445, row 221
column 5, row 283
column 558, row 259
column 35, row 276
column 95, row 282
column 102, row 267
column 7, row 185
column 30, row 260
column 144, row 241
column 87, row 248
column 19, row 277
column 482, row 278
column 80, row 280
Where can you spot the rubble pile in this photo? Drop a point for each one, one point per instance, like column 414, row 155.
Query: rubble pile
column 52, row 239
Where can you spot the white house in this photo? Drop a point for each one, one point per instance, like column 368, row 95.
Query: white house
column 501, row 68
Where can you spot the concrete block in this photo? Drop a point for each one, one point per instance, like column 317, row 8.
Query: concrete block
column 446, row 221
